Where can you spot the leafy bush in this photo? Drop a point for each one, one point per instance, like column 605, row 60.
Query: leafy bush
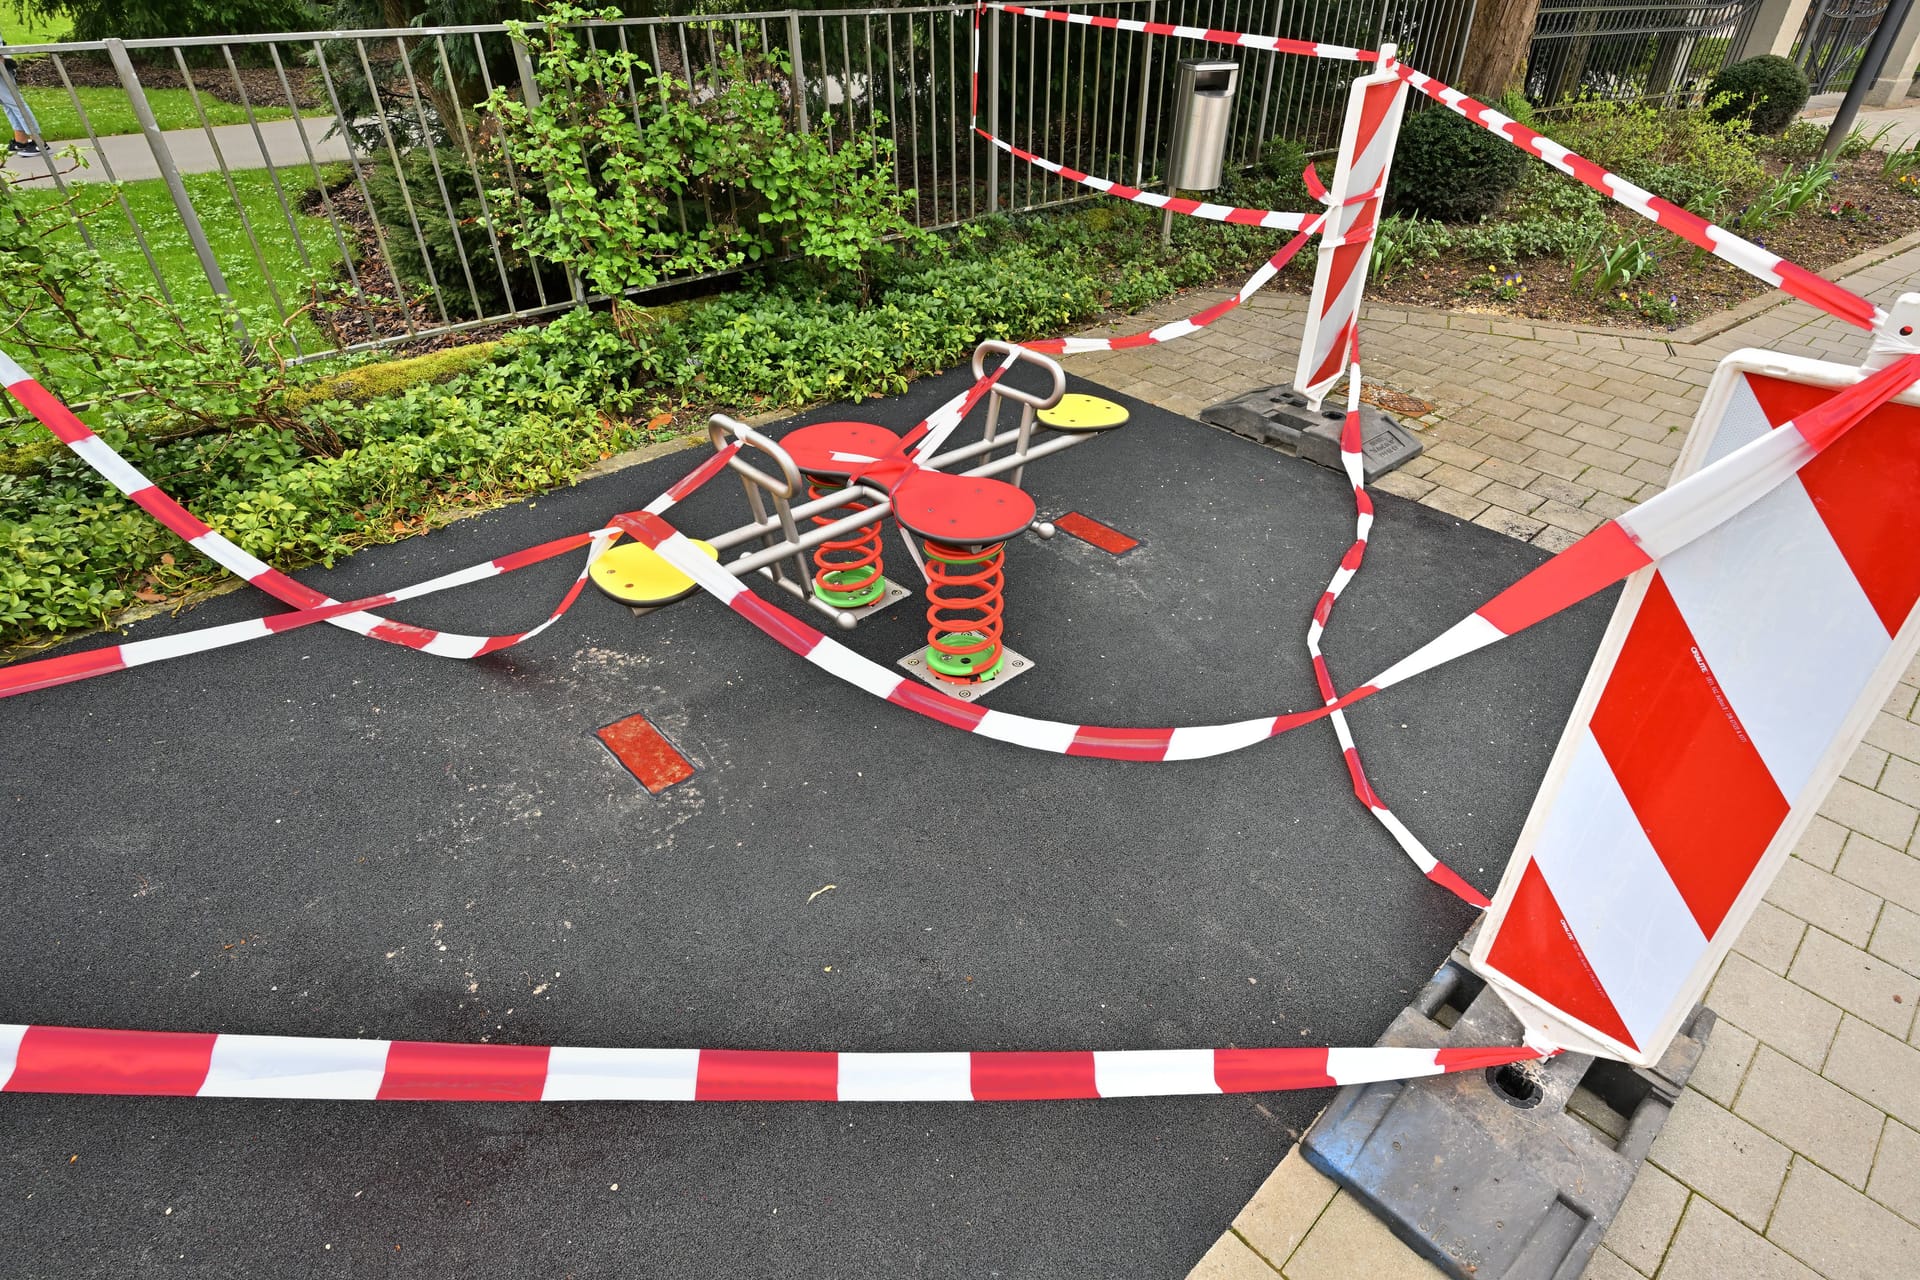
column 1688, row 151
column 1768, row 90
column 1801, row 140
column 1448, row 167
column 704, row 178
column 171, row 370
column 73, row 550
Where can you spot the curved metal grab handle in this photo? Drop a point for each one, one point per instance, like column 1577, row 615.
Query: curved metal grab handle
column 1019, row 352
column 720, row 426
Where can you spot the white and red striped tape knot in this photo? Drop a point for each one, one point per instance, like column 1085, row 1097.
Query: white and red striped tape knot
column 43, row 1059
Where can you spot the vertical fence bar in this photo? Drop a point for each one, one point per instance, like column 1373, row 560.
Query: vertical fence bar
column 530, row 94
column 1146, row 85
column 993, row 109
column 233, row 192
column 119, row 194
column 400, row 179
column 266, row 159
column 799, row 70
column 473, row 171
column 439, row 178
column 366, row 196
column 169, row 172
column 313, row 165
column 506, row 157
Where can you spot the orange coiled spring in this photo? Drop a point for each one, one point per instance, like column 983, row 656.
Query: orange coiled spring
column 966, row 601
column 848, row 572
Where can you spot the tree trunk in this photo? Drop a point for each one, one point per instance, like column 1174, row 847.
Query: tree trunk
column 1497, row 50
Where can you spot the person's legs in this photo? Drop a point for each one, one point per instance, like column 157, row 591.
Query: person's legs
column 19, row 114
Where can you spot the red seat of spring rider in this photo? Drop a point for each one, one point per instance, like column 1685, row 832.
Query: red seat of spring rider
column 836, row 450
column 961, row 510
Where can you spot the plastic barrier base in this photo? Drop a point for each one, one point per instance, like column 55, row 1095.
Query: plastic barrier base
column 1279, row 416
column 1513, row 1173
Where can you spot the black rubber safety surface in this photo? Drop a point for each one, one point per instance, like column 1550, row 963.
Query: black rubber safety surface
column 323, row 835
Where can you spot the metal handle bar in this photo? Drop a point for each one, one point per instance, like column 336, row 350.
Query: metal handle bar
column 720, row 426
column 1019, row 352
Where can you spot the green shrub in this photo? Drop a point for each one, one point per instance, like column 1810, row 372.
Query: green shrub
column 703, row 177
column 1769, row 90
column 73, row 550
column 1801, row 140
column 1686, row 149
column 1448, row 167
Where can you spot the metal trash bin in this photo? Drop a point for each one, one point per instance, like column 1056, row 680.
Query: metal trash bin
column 1203, row 106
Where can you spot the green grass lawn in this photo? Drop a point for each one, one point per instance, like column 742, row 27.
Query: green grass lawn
column 174, row 254
column 109, row 112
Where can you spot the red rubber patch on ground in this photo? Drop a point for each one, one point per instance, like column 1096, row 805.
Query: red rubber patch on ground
column 646, row 752
column 1089, row 530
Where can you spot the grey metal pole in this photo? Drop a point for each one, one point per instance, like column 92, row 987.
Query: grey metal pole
column 993, row 109
column 1866, row 73
column 1146, row 85
column 170, row 173
column 799, row 70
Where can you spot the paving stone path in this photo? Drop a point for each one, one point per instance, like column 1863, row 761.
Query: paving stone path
column 1795, row 1152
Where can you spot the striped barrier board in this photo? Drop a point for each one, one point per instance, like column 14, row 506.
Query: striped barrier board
column 1738, row 675
column 1374, row 107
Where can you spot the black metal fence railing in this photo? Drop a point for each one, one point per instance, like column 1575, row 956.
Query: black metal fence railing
column 1833, row 38
column 1663, row 51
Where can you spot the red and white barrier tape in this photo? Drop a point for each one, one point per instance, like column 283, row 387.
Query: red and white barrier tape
column 1797, row 281
column 1191, row 324
column 1235, row 214
column 1616, row 549
column 46, row 673
column 41, row 1059
column 146, row 495
column 1836, row 300
column 1212, row 35
column 1352, row 462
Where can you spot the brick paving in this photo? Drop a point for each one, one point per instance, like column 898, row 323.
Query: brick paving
column 1795, row 1151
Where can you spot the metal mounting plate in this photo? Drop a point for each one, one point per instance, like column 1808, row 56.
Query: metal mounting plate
column 1015, row 666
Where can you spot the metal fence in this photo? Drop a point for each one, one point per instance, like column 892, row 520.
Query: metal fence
column 274, row 167
column 279, row 168
column 1664, row 52
column 1833, row 38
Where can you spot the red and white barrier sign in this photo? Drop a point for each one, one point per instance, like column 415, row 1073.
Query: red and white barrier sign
column 1374, row 107
column 1739, row 673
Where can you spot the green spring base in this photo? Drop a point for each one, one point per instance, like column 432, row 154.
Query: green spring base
column 962, row 668
column 849, row 599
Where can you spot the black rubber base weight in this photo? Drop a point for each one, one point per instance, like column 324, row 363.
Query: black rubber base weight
column 1506, row 1174
column 1279, row 416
